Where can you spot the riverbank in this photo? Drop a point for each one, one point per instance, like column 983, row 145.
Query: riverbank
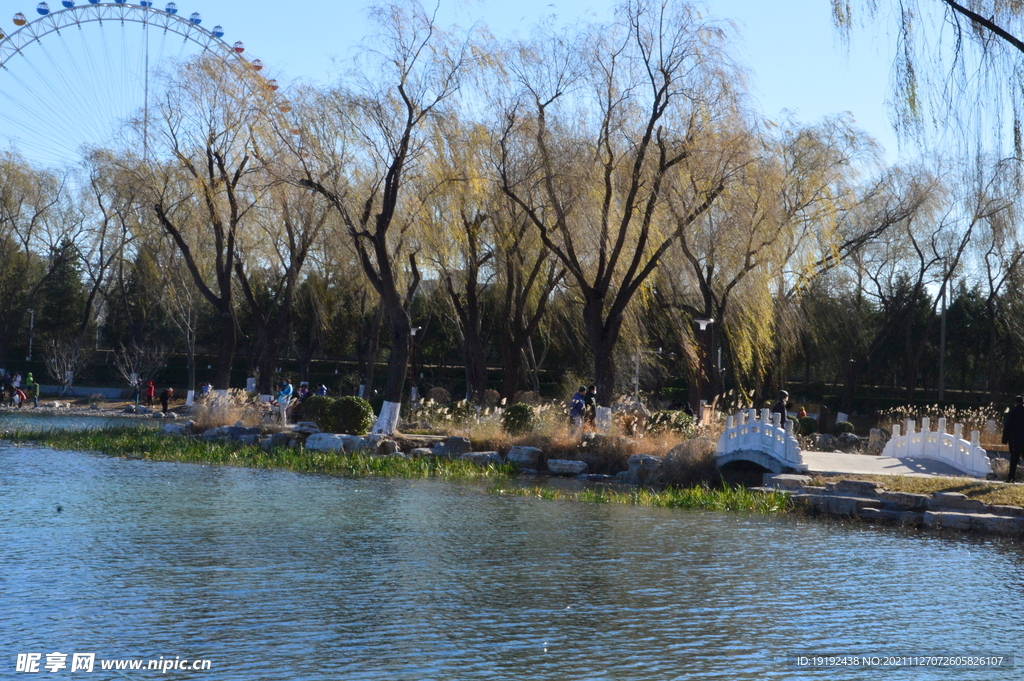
column 131, row 443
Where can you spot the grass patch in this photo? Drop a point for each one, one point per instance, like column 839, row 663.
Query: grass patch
column 139, row 443
column 986, row 491
column 698, row 497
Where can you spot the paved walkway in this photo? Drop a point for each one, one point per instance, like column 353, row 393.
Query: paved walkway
column 862, row 464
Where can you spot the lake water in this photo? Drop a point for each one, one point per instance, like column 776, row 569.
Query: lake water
column 25, row 419
column 273, row 575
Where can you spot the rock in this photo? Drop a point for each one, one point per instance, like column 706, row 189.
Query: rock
column 567, row 467
column 156, row 415
column 836, row 505
column 785, row 481
column 527, row 472
column 453, row 447
column 905, row 500
column 249, row 440
column 306, row 427
column 322, row 442
column 622, row 476
column 277, row 440
column 523, row 457
column 824, row 443
column 955, row 501
column 179, row 429
column 877, row 440
column 129, row 410
column 387, row 448
column 218, row 433
column 858, row 488
column 482, row 458
column 644, row 469
column 420, row 452
column 170, row 415
column 848, row 442
column 595, row 477
column 94, row 406
column 142, row 410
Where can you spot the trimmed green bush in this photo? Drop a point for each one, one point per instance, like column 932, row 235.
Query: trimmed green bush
column 808, row 426
column 352, row 415
column 842, row 427
column 317, row 408
column 518, row 419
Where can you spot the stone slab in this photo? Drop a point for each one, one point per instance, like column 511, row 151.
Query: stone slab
column 839, row 463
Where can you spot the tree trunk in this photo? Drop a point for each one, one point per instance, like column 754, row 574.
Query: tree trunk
column 226, row 350
column 602, row 334
column 398, row 364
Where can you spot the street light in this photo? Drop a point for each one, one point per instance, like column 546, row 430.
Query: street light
column 413, row 390
column 703, row 324
column 636, row 376
column 31, row 332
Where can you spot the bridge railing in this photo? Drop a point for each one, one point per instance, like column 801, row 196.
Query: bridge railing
column 938, row 445
column 745, row 431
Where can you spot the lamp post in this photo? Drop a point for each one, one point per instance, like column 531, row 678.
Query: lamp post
column 703, row 324
column 31, row 332
column 413, row 390
column 636, row 375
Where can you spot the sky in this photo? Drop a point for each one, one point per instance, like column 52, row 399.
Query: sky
column 795, row 58
column 792, row 53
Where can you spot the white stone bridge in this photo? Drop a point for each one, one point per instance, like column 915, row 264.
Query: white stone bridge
column 763, row 441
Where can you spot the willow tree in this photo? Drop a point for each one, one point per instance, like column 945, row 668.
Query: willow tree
column 203, row 178
column 363, row 140
column 958, row 68
column 602, row 124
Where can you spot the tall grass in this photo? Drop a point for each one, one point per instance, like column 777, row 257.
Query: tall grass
column 139, row 443
column 698, row 497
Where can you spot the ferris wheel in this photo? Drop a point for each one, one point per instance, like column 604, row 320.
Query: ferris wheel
column 76, row 77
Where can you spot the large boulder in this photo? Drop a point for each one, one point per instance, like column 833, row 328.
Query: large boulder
column 824, row 443
column 139, row 409
column 644, row 469
column 482, row 458
column 521, row 456
column 306, row 427
column 278, row 441
column 325, row 442
column 848, row 442
column 877, row 440
column 178, row 429
column 567, row 467
column 421, row 453
column 387, row 448
column 453, row 447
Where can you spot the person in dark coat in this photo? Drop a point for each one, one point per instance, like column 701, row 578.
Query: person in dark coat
column 1013, row 435
column 780, row 407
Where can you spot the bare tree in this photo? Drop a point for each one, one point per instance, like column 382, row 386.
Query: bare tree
column 604, row 123
column 363, row 144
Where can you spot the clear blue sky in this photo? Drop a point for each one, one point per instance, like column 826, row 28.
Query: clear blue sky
column 789, row 47
column 794, row 56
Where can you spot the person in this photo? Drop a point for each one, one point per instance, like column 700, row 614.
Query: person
column 17, row 380
column 577, row 406
column 303, row 391
column 150, row 393
column 590, row 405
column 1013, row 435
column 136, row 392
column 205, row 390
column 322, row 390
column 165, row 396
column 8, row 393
column 284, row 398
column 801, row 413
column 687, row 409
column 19, row 397
column 33, row 390
column 780, row 407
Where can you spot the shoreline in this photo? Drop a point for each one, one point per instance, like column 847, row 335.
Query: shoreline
column 866, row 502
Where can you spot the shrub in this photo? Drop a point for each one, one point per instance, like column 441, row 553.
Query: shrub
column 518, row 419
column 675, row 421
column 462, row 411
column 842, row 427
column 317, row 408
column 491, row 398
column 439, row 395
column 808, row 426
column 351, row 415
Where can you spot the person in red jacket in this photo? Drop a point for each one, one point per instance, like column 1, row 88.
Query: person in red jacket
column 150, row 393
